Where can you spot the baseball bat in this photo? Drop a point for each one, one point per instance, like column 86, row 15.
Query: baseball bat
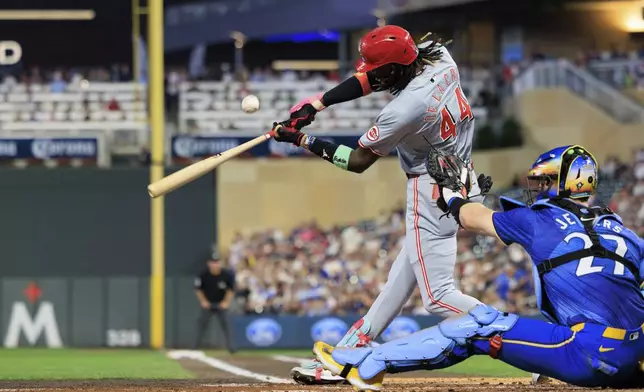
column 190, row 173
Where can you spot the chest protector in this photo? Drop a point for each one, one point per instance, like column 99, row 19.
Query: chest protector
column 587, row 216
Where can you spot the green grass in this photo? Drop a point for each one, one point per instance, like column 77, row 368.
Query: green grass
column 77, row 364
column 67, row 364
column 479, row 365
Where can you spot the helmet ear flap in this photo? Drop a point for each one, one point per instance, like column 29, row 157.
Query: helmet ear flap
column 578, row 174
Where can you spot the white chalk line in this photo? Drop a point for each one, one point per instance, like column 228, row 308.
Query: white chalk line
column 224, row 366
column 287, row 359
column 229, row 385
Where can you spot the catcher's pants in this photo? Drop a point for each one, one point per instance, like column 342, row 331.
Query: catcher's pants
column 426, row 260
column 586, row 354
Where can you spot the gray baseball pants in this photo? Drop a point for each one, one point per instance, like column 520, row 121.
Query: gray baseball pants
column 426, row 260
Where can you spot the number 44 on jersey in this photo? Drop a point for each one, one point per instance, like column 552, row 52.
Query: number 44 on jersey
column 448, row 121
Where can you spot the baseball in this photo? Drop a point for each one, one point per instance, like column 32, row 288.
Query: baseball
column 250, row 104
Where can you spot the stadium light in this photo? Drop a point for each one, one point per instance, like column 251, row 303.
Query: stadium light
column 47, row 14
column 635, row 24
column 240, row 39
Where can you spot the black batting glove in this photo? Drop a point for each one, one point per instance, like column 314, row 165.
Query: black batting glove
column 302, row 117
column 285, row 134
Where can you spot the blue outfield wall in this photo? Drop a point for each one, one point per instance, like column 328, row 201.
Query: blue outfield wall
column 295, row 332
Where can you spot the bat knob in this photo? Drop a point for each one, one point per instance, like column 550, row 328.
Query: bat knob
column 151, row 192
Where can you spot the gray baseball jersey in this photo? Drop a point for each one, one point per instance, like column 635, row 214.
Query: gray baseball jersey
column 431, row 109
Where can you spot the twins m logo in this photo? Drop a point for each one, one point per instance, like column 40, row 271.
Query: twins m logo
column 42, row 322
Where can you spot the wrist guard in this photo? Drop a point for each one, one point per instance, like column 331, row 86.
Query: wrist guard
column 454, row 207
column 331, row 152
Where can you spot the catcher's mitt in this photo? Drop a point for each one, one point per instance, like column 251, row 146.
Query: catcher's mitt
column 447, row 170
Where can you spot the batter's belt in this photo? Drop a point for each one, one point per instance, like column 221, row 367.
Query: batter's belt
column 469, row 166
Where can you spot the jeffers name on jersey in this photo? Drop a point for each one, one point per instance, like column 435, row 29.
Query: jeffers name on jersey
column 592, row 289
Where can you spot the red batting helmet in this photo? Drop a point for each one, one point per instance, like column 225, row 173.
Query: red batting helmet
column 386, row 45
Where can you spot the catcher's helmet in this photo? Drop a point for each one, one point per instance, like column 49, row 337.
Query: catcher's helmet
column 567, row 171
column 386, row 45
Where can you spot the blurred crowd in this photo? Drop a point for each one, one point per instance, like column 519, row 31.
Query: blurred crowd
column 59, row 78
column 628, row 202
column 340, row 270
column 312, row 271
column 175, row 75
column 627, row 76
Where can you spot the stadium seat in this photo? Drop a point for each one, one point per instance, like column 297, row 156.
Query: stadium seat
column 208, row 103
column 34, row 107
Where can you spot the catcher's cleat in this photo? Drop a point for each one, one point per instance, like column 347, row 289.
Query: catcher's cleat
column 323, row 353
column 312, row 373
column 540, row 379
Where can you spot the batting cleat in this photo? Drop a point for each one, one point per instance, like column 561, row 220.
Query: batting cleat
column 323, row 353
column 312, row 373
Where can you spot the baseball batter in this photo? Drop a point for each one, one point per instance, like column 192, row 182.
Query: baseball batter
column 429, row 111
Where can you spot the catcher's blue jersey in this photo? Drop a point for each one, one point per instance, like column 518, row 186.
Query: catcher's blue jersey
column 596, row 337
column 596, row 290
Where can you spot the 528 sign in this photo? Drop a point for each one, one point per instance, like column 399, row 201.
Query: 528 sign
column 448, row 121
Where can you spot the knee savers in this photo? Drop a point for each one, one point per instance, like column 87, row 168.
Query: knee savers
column 482, row 321
column 433, row 348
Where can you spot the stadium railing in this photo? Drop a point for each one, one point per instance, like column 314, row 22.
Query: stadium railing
column 562, row 73
column 614, row 72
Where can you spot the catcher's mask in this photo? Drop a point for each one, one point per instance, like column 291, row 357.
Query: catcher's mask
column 567, row 171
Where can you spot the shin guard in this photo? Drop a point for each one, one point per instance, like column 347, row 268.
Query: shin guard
column 434, row 348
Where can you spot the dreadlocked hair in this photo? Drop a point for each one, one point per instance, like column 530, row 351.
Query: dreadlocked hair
column 427, row 55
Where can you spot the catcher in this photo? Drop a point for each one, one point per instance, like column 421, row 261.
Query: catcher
column 588, row 272
column 429, row 112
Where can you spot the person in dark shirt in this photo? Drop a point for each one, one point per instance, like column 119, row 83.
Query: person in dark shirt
column 214, row 287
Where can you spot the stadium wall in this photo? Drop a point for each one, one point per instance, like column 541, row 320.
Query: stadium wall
column 282, row 193
column 114, row 312
column 555, row 116
column 94, row 222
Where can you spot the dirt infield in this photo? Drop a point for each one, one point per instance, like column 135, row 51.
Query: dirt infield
column 230, row 385
column 210, row 379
